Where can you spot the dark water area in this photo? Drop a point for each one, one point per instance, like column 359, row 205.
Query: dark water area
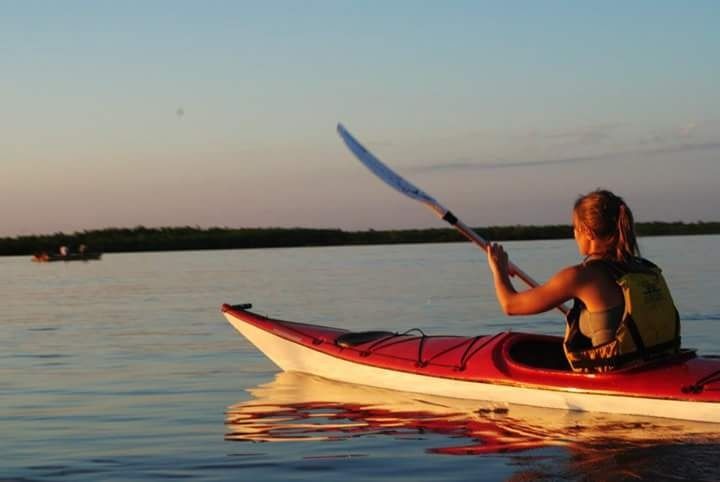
column 125, row 369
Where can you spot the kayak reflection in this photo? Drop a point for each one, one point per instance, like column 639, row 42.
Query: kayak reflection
column 296, row 407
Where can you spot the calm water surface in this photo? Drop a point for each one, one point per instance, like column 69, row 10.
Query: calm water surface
column 124, row 369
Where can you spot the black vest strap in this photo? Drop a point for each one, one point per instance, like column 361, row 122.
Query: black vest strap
column 620, row 360
column 635, row 334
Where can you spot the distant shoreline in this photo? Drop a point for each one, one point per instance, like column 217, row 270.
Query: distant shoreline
column 141, row 239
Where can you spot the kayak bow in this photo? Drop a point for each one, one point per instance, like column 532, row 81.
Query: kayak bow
column 507, row 367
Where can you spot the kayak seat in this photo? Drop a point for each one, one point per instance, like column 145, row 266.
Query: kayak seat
column 356, row 338
column 540, row 353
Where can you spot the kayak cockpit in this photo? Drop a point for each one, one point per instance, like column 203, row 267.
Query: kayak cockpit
column 530, row 352
column 537, row 351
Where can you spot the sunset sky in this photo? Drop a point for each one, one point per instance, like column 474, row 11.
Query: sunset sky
column 223, row 113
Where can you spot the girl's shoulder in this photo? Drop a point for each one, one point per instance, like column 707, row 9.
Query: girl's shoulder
column 594, row 270
column 575, row 274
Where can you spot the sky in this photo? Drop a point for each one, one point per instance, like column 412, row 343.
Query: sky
column 223, row 113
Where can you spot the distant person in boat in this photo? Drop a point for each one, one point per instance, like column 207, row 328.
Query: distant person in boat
column 41, row 256
column 64, row 251
column 623, row 312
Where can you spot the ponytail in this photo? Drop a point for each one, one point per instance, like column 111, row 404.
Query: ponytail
column 626, row 247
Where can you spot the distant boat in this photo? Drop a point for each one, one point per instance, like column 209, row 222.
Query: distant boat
column 48, row 258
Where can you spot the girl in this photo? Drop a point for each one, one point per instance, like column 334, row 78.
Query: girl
column 623, row 311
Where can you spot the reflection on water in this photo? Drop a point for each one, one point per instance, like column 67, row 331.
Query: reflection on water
column 299, row 407
column 303, row 408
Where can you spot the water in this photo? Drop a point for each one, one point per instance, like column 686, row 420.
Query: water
column 124, row 369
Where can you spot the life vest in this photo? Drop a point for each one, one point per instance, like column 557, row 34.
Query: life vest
column 649, row 329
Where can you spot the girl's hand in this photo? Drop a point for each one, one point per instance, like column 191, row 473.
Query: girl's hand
column 497, row 260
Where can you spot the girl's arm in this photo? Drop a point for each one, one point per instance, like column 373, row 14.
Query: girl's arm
column 560, row 288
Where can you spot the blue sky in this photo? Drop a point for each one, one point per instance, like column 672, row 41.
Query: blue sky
column 223, row 113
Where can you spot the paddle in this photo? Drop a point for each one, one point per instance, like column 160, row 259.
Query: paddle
column 395, row 181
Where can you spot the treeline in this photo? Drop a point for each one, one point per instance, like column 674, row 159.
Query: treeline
column 194, row 238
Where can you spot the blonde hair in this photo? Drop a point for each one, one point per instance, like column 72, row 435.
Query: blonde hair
column 608, row 218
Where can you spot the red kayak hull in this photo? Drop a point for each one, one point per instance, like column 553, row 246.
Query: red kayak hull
column 508, row 359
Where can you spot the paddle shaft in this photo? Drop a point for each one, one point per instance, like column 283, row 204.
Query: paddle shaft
column 483, row 244
column 513, row 270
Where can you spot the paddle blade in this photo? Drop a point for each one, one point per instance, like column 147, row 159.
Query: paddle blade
column 382, row 171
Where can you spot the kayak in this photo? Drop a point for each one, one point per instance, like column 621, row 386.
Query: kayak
column 49, row 258
column 506, row 367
